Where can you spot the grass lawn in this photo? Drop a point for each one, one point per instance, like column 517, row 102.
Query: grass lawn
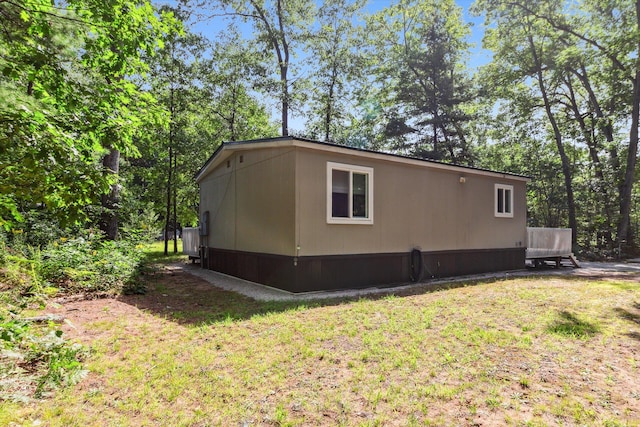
column 527, row 351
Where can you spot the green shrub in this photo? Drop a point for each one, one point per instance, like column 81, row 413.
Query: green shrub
column 61, row 361
column 90, row 264
column 36, row 358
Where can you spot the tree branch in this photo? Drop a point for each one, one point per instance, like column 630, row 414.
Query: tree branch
column 567, row 29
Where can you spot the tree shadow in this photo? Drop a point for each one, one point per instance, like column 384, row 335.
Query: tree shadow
column 628, row 315
column 186, row 299
column 634, row 335
column 176, row 295
column 632, row 315
column 569, row 325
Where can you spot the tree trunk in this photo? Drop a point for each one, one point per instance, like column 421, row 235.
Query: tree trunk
column 566, row 170
column 328, row 112
column 624, row 236
column 110, row 201
column 278, row 39
column 169, row 174
column 167, row 222
column 283, row 57
column 602, row 186
column 285, row 100
column 175, row 205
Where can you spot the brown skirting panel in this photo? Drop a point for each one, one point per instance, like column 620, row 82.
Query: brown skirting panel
column 314, row 273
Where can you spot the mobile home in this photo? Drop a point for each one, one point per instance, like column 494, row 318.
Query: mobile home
column 302, row 215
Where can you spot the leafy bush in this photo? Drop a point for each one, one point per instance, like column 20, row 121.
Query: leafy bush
column 62, row 361
column 36, row 359
column 90, row 264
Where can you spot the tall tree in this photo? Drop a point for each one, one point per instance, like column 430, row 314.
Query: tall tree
column 237, row 67
column 205, row 88
column 601, row 52
column 538, row 68
column 335, row 48
column 280, row 26
column 174, row 72
column 68, row 99
column 420, row 49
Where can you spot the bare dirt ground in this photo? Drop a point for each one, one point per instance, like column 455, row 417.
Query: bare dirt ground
column 170, row 290
column 175, row 294
column 174, row 289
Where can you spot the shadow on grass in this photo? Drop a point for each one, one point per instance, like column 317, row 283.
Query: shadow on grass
column 178, row 296
column 569, row 325
column 634, row 335
column 632, row 315
column 174, row 294
column 629, row 315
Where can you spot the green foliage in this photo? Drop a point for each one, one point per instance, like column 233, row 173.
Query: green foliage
column 419, row 49
column 90, row 264
column 207, row 88
column 63, row 361
column 37, row 359
column 578, row 62
column 281, row 29
column 66, row 98
column 34, row 359
column 340, row 64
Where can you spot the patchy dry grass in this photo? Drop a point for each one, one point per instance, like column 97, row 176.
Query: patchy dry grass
column 532, row 351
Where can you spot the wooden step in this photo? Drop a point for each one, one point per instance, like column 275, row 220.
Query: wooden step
column 574, row 261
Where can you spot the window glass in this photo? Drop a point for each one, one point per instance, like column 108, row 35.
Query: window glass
column 507, row 201
column 340, row 194
column 359, row 195
column 503, row 200
column 349, row 194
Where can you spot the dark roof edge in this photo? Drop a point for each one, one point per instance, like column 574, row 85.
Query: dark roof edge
column 362, row 150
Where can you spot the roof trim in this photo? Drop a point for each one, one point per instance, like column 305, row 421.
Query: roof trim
column 225, row 150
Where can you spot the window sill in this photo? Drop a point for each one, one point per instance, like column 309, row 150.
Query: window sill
column 364, row 221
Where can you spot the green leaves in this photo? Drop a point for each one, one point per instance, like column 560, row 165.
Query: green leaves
column 67, row 96
column 578, row 61
column 207, row 90
column 419, row 49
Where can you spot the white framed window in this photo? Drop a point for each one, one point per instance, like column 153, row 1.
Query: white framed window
column 503, row 204
column 349, row 194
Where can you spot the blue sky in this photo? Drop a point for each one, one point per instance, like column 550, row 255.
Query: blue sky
column 478, row 56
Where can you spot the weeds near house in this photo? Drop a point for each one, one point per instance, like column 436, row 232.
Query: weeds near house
column 35, row 358
column 90, row 264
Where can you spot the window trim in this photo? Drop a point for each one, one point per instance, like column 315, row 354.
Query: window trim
column 331, row 166
column 496, row 189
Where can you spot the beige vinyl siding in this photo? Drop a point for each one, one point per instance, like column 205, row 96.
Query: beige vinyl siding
column 218, row 197
column 414, row 206
column 252, row 203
